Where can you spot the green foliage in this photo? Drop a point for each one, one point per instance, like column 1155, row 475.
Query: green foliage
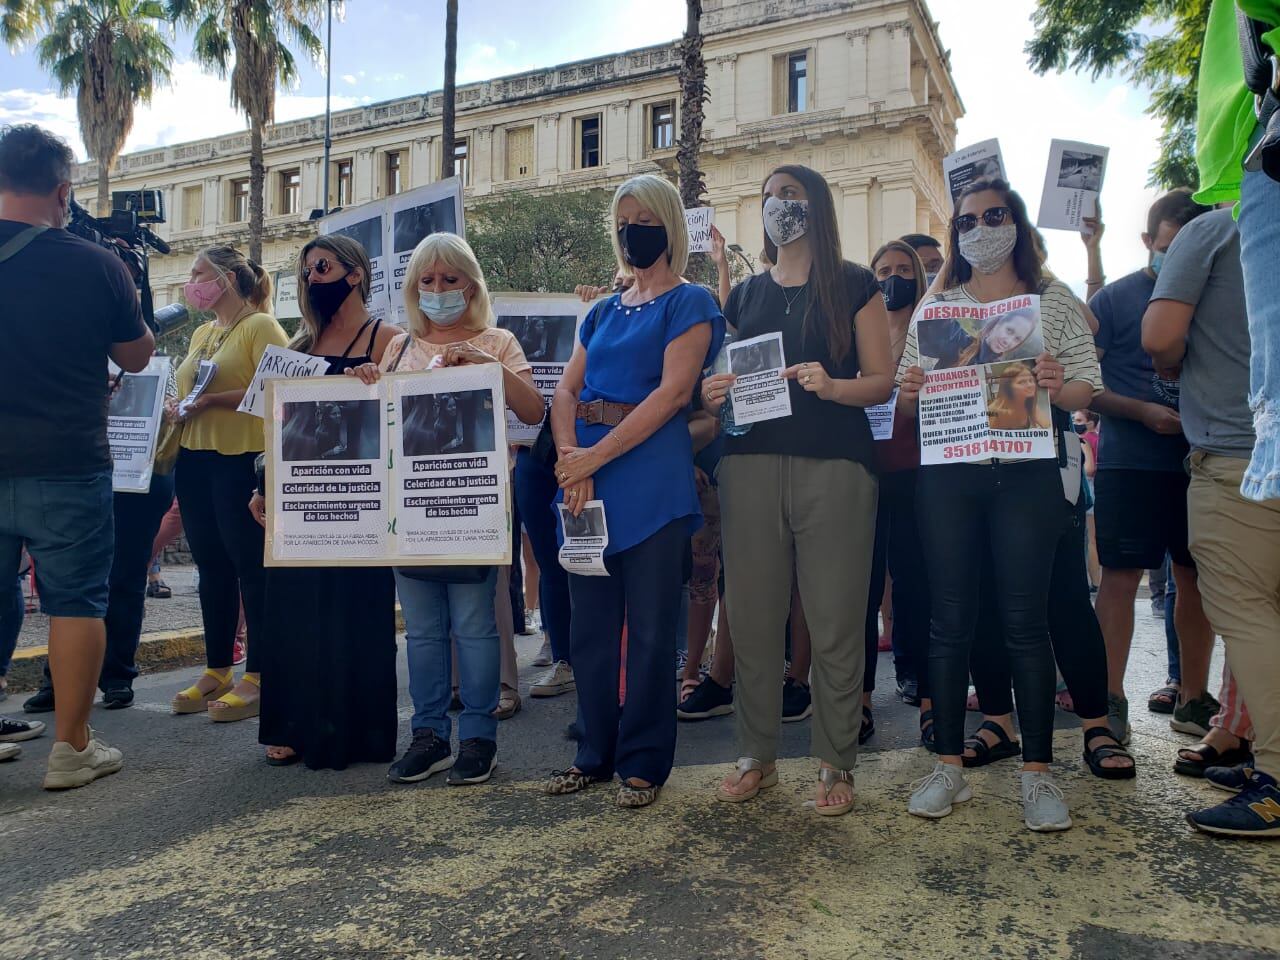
column 1101, row 37
column 542, row 243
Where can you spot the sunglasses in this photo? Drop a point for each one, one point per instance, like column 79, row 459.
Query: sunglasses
column 993, row 217
column 321, row 268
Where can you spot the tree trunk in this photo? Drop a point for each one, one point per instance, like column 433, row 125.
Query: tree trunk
column 447, row 137
column 257, row 180
column 104, row 186
column 693, row 94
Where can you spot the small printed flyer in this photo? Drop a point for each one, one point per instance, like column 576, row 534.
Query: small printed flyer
column 586, row 537
column 546, row 325
column 760, row 392
column 880, row 417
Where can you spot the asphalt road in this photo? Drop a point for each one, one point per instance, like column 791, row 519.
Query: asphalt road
column 198, row 849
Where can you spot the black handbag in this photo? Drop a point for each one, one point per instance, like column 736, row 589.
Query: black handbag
column 447, row 574
column 544, row 450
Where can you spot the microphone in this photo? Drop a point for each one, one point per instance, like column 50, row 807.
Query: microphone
column 174, row 315
column 153, row 241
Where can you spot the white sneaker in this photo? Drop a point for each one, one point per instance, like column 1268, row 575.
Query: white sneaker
column 1044, row 806
column 932, row 796
column 544, row 657
column 70, row 768
column 557, row 680
column 9, row 751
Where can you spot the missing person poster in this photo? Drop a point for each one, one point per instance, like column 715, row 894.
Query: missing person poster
column 1071, row 185
column 760, row 392
column 278, row 362
column 547, row 328
column 586, row 537
column 133, row 424
column 980, row 397
column 978, row 162
column 413, row 215
column 409, row 471
column 699, row 221
column 366, row 224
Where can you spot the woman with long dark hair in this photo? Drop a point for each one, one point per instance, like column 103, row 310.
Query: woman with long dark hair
column 965, row 508
column 331, row 622
column 799, row 490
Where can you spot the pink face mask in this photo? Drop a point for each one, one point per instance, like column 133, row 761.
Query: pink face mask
column 204, row 294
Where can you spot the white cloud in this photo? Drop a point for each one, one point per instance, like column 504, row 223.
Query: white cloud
column 349, row 78
column 482, row 61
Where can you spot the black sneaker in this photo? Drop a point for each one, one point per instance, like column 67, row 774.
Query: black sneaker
column 909, row 692
column 39, row 702
column 427, row 754
column 797, row 702
column 117, row 698
column 13, row 731
column 708, row 699
column 1253, row 812
column 477, row 759
column 1231, row 779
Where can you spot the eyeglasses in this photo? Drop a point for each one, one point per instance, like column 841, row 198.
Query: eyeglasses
column 321, row 268
column 992, row 217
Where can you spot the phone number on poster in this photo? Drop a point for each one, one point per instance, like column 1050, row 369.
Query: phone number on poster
column 980, row 447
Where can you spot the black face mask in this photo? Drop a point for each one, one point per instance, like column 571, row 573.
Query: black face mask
column 642, row 245
column 898, row 292
column 1079, row 427
column 327, row 298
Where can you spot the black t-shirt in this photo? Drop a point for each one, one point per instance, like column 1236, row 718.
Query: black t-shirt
column 66, row 302
column 816, row 428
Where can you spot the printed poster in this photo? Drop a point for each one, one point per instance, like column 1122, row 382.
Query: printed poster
column 980, row 397
column 978, row 162
column 586, row 537
column 409, row 471
column 366, row 224
column 1071, row 185
column 411, row 216
column 547, row 328
column 286, row 298
column 880, row 417
column 133, row 424
column 760, row 392
column 278, row 362
column 699, row 221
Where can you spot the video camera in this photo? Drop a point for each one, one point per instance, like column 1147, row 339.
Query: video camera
column 126, row 234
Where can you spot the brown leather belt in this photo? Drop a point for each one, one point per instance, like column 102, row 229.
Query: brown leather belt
column 603, row 411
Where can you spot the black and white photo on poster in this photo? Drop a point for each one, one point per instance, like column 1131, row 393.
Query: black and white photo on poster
column 411, row 217
column 981, row 161
column 367, row 225
column 330, row 430
column 1081, row 171
column 134, row 413
column 544, row 339
column 446, row 424
column 546, row 327
column 367, row 231
column 586, row 537
column 1072, row 182
column 135, row 397
column 760, row 392
column 410, row 225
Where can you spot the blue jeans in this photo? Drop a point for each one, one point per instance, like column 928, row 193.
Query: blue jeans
column 1259, row 253
column 432, row 611
column 12, row 613
column 1170, row 631
column 535, row 489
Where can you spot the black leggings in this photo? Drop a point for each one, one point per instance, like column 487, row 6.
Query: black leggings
column 898, row 548
column 1073, row 628
column 1013, row 510
column 226, row 543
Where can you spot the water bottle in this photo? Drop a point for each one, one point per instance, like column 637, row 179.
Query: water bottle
column 728, row 425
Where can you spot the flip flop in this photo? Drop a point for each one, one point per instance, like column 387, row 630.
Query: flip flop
column 745, row 766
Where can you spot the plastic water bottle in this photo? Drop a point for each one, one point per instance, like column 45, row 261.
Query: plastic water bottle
column 727, row 423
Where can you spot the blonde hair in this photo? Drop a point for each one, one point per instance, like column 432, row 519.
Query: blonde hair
column 350, row 254
column 661, row 199
column 250, row 282
column 455, row 253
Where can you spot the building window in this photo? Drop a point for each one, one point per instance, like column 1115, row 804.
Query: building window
column 588, row 130
column 290, row 192
column 520, row 153
column 394, row 183
column 192, row 208
column 662, row 126
column 239, row 201
column 344, row 175
column 461, row 168
column 797, row 82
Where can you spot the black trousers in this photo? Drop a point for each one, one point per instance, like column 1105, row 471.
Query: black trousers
column 898, row 550
column 1013, row 509
column 226, row 542
column 642, row 590
column 1078, row 646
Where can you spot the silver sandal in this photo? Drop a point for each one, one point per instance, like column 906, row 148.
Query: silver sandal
column 829, row 778
column 747, row 765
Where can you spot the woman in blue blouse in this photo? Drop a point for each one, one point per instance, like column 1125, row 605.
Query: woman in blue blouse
column 618, row 420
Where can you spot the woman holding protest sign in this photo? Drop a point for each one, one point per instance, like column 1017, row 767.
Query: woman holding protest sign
column 799, row 488
column 329, row 698
column 451, row 323
column 619, row 424
column 967, row 509
column 215, row 475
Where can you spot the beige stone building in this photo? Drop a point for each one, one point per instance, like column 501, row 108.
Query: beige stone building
column 857, row 89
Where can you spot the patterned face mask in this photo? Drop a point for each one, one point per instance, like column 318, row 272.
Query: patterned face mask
column 987, row 248
column 785, row 221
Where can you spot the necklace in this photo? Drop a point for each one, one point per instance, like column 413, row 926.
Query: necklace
column 212, row 346
column 791, row 300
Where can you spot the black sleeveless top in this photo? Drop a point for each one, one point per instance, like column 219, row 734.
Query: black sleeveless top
column 340, row 365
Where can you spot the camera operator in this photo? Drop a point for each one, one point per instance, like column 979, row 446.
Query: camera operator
column 69, row 306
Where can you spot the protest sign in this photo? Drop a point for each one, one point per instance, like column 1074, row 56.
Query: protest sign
column 699, row 220
column 980, row 161
column 133, row 423
column 547, row 328
column 410, row 471
column 980, row 398
column 880, row 417
column 760, row 392
column 286, row 299
column 413, row 215
column 586, row 537
column 204, row 376
column 366, row 224
column 278, row 362
column 1071, row 185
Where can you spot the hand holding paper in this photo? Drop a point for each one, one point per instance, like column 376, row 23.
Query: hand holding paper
column 1049, row 374
column 812, row 377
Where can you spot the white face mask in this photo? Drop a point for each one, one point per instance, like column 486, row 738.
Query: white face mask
column 987, row 248
column 443, row 309
column 785, row 221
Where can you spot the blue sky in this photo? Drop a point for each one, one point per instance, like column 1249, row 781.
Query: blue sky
column 389, row 48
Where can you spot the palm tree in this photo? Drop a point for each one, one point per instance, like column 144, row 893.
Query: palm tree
column 255, row 31
column 110, row 52
column 693, row 94
column 450, row 85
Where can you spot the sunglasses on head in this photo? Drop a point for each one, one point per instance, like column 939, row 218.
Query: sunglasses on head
column 992, row 217
column 321, row 268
